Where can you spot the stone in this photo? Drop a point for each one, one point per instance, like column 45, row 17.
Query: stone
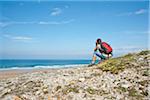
column 81, row 79
column 45, row 86
column 9, row 90
column 5, row 91
column 45, row 91
column 140, row 59
column 16, row 98
column 25, row 96
column 37, row 92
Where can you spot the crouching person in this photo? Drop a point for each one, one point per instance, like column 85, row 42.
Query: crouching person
column 102, row 50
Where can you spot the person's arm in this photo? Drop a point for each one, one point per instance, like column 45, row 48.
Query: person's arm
column 95, row 49
column 101, row 49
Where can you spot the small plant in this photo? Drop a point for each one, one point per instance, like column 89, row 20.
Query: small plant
column 146, row 73
column 122, row 89
column 95, row 74
column 58, row 87
column 70, row 89
column 132, row 92
column 143, row 83
column 128, row 55
column 113, row 65
column 144, row 52
column 90, row 90
column 145, row 93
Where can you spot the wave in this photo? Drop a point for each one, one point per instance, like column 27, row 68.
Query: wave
column 46, row 66
column 61, row 66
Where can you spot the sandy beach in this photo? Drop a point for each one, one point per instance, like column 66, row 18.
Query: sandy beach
column 123, row 78
column 4, row 74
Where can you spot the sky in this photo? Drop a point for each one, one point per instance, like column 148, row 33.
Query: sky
column 69, row 29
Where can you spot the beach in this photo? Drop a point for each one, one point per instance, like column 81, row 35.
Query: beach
column 4, row 74
column 128, row 81
column 74, row 50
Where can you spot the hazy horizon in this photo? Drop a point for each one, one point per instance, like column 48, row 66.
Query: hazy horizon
column 68, row 30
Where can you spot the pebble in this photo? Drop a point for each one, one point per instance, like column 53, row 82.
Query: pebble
column 81, row 79
column 45, row 91
column 16, row 98
column 37, row 92
column 9, row 90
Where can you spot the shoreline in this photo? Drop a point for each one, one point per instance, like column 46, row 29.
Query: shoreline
column 126, row 77
column 11, row 73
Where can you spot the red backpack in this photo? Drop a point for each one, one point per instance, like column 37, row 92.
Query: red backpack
column 107, row 48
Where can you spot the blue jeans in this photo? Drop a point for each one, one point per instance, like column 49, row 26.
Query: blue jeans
column 100, row 55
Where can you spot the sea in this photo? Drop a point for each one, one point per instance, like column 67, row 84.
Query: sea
column 33, row 64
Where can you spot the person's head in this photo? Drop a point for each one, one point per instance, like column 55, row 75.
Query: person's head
column 98, row 41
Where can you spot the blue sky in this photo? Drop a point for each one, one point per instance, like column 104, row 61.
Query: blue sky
column 68, row 30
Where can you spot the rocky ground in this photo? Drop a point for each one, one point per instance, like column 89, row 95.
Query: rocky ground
column 122, row 78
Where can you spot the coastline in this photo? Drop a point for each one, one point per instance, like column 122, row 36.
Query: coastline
column 12, row 73
column 122, row 78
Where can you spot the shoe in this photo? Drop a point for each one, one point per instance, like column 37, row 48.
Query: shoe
column 90, row 65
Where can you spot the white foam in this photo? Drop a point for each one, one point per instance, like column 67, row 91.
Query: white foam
column 61, row 66
column 47, row 66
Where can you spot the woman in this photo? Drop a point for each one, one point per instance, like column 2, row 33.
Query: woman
column 100, row 51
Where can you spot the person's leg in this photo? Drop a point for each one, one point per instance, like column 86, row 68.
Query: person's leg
column 95, row 55
column 110, row 55
column 107, row 56
column 93, row 59
column 102, row 58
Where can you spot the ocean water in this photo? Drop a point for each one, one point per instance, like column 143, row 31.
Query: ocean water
column 31, row 64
